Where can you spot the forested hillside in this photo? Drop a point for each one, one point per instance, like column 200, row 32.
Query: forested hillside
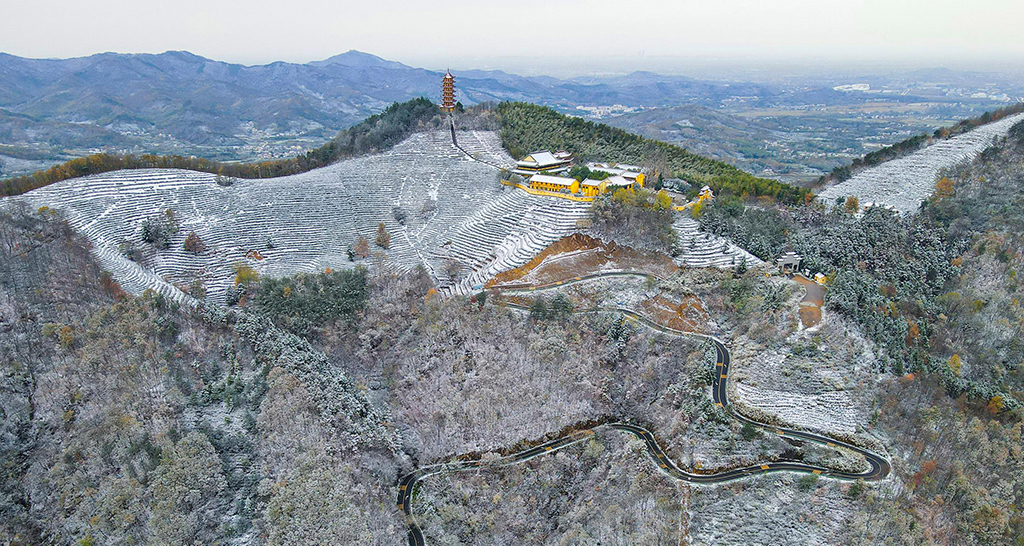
column 937, row 290
column 528, row 127
column 129, row 420
column 939, row 294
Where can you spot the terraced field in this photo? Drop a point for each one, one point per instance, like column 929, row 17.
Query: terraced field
column 702, row 249
column 905, row 182
column 306, row 222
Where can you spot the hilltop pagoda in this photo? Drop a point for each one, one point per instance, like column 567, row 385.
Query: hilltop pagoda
column 448, row 92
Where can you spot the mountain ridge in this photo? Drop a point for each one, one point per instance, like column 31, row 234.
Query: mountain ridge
column 180, row 102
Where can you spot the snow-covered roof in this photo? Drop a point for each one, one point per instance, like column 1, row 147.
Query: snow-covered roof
column 789, row 258
column 631, row 175
column 614, row 168
column 547, row 179
column 618, row 181
column 590, row 182
column 541, row 159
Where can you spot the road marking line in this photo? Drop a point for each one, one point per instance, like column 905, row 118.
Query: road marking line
column 780, row 432
column 764, row 467
column 719, row 404
column 830, row 444
column 723, row 376
column 547, row 448
column 816, row 472
column 403, row 488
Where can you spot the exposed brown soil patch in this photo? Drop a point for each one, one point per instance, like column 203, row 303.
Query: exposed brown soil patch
column 687, row 315
column 814, row 299
column 578, row 255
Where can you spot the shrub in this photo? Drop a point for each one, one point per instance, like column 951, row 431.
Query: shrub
column 383, row 239
column 852, row 205
column 452, row 268
column 128, row 249
column 158, row 230
column 806, row 483
column 155, row 233
column 400, row 215
column 194, row 244
column 429, row 206
column 245, row 275
column 362, row 248
column 539, row 310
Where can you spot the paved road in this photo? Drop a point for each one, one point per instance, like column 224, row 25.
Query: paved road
column 879, row 466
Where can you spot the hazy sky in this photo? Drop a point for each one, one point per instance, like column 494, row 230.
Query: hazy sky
column 463, row 33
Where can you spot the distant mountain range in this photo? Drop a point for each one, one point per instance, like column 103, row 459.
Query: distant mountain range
column 180, row 102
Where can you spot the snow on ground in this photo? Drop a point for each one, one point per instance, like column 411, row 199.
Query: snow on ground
column 816, row 381
column 905, row 182
column 702, row 249
column 832, row 411
column 306, row 222
column 769, row 511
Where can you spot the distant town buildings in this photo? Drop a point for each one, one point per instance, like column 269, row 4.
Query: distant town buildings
column 598, row 112
column 848, row 88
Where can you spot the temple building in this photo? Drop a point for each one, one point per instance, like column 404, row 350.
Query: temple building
column 448, row 92
column 559, row 184
column 632, row 173
column 593, row 188
column 543, row 162
column 545, row 172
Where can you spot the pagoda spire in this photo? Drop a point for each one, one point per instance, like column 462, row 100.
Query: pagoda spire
column 448, row 92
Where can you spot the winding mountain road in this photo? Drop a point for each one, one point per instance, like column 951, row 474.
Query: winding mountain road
column 879, row 466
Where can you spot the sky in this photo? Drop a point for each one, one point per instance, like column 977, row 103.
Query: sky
column 529, row 35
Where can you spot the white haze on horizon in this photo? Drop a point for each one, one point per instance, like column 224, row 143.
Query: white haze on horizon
column 557, row 37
